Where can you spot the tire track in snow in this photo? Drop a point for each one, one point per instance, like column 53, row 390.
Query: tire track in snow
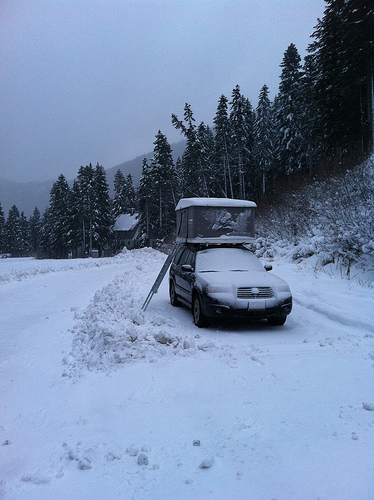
column 332, row 313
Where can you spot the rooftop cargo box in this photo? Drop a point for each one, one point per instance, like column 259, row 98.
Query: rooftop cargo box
column 215, row 220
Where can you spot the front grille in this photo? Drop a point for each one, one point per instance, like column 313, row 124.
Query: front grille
column 260, row 292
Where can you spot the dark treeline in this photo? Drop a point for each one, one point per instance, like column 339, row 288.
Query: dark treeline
column 320, row 120
column 78, row 219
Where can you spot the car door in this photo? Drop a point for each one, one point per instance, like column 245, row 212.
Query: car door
column 184, row 278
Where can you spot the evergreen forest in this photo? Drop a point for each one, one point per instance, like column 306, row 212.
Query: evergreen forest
column 319, row 125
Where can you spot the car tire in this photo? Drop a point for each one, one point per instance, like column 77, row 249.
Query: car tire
column 198, row 316
column 173, row 296
column 277, row 320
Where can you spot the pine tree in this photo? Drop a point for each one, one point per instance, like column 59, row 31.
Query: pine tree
column 124, row 194
column 35, row 231
column 290, row 153
column 213, row 179
column 2, row 230
column 131, row 195
column 84, row 206
column 14, row 236
column 46, row 243
column 165, row 182
column 77, row 233
column 222, row 148
column 241, row 126
column 102, row 219
column 25, row 235
column 310, row 115
column 120, row 205
column 158, row 190
column 264, row 139
column 194, row 182
column 147, row 206
column 179, row 177
column 56, row 234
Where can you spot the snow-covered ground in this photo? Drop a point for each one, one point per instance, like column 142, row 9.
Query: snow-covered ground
column 100, row 400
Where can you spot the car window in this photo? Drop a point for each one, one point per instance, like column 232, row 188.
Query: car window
column 190, row 259
column 227, row 259
column 178, row 255
column 184, row 257
column 187, row 257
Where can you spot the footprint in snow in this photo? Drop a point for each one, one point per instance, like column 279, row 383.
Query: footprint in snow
column 368, row 406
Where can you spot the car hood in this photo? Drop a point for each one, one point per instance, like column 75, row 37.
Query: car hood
column 240, row 279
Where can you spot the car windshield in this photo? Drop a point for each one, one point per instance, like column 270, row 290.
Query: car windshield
column 227, row 259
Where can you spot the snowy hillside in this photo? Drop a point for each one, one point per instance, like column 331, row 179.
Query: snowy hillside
column 100, row 400
column 330, row 219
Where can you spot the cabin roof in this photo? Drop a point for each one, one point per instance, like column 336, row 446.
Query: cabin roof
column 126, row 222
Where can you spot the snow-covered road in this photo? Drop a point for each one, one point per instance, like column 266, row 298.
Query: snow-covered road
column 99, row 400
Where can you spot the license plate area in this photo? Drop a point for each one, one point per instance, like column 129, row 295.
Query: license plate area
column 256, row 305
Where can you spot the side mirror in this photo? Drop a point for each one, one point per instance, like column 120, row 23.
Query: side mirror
column 187, row 268
column 268, row 267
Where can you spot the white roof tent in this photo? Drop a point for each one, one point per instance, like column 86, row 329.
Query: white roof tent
column 215, row 221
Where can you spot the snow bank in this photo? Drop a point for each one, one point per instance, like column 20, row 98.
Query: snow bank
column 19, row 269
column 113, row 330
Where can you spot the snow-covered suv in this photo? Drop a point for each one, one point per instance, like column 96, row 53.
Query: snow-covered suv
column 227, row 282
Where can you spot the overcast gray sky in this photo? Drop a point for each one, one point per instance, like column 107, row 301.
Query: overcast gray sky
column 94, row 80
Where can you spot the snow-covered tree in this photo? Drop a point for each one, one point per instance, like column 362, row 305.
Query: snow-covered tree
column 241, row 128
column 211, row 175
column 16, row 233
column 25, row 232
column 264, row 139
column 102, row 218
column 288, row 114
column 2, row 230
column 85, row 195
column 124, row 194
column 56, row 221
column 147, row 206
column 310, row 115
column 35, row 231
column 223, row 148
column 76, row 235
column 119, row 199
column 158, row 190
column 194, row 181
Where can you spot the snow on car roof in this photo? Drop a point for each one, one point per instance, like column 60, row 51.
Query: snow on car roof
column 214, row 202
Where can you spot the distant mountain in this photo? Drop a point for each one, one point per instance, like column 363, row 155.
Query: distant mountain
column 134, row 167
column 27, row 196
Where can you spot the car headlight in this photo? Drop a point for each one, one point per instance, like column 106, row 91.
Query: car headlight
column 210, row 289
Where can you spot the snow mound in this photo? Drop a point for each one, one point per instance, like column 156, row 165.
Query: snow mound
column 113, row 330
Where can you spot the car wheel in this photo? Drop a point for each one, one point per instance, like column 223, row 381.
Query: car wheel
column 277, row 320
column 173, row 296
column 198, row 316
